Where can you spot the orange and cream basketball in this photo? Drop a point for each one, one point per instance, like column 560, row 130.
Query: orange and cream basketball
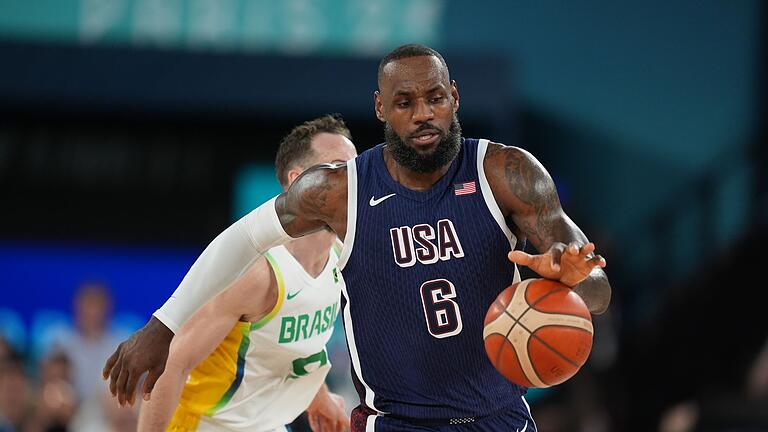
column 538, row 333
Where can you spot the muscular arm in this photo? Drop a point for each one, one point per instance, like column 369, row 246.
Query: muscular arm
column 316, row 200
column 527, row 196
column 253, row 295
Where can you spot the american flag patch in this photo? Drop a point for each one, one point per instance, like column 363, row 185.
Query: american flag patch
column 464, row 188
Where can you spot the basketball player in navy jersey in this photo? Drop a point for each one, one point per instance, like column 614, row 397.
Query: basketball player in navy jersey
column 430, row 222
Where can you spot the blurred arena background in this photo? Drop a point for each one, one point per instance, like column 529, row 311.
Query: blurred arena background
column 133, row 131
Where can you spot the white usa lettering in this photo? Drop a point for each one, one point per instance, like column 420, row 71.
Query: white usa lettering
column 417, row 243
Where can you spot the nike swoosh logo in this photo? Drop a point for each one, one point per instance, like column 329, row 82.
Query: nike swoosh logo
column 292, row 295
column 374, row 202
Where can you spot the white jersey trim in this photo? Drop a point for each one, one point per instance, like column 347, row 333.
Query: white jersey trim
column 346, row 251
column 490, row 201
column 370, row 424
column 535, row 428
column 349, row 238
column 369, row 394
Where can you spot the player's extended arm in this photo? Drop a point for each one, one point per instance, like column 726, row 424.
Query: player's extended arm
column 326, row 413
column 254, row 294
column 526, row 194
column 317, row 199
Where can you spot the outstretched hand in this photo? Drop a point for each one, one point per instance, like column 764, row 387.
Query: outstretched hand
column 326, row 413
column 146, row 350
column 570, row 264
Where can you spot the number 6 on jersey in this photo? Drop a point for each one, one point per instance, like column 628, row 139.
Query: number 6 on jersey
column 442, row 313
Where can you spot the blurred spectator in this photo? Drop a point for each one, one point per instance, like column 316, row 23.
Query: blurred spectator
column 56, row 367
column 746, row 410
column 5, row 349
column 104, row 414
column 90, row 343
column 15, row 401
column 757, row 380
column 680, row 418
column 13, row 334
column 120, row 419
column 56, row 401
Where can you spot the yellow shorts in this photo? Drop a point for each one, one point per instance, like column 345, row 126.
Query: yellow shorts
column 184, row 420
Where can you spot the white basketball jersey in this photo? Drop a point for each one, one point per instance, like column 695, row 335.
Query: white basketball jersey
column 264, row 374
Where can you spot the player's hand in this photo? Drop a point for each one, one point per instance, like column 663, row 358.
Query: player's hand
column 326, row 413
column 570, row 264
column 146, row 350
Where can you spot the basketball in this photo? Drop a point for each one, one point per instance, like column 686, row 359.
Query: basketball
column 538, row 333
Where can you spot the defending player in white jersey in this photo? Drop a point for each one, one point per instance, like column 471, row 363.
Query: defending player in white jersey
column 253, row 358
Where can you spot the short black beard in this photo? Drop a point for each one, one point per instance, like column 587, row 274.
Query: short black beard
column 444, row 153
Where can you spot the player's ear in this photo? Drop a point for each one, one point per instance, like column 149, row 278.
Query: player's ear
column 455, row 94
column 378, row 106
column 292, row 176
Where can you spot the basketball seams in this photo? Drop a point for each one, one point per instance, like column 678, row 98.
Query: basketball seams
column 532, row 335
column 517, row 357
column 547, row 295
column 498, row 353
column 560, row 325
column 506, row 339
column 533, row 367
column 551, row 348
column 540, row 299
column 499, row 303
column 523, row 289
column 560, row 313
column 526, row 365
column 523, row 359
column 523, row 338
column 538, row 319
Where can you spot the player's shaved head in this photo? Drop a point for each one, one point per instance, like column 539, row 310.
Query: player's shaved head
column 407, row 51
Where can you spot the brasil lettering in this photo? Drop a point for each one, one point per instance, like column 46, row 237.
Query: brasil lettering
column 304, row 326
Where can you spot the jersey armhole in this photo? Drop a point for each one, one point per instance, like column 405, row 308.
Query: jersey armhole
column 490, row 201
column 349, row 238
column 280, row 294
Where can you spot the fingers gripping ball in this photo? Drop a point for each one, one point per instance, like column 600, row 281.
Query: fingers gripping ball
column 538, row 333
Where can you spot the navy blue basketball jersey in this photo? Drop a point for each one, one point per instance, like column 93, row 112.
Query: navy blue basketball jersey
column 421, row 269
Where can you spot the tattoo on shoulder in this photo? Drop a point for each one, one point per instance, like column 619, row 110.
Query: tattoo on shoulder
column 521, row 176
column 314, row 196
column 317, row 191
column 532, row 187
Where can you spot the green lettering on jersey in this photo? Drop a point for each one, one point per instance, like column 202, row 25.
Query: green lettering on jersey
column 287, row 329
column 326, row 318
column 301, row 327
column 335, row 312
column 294, row 328
column 316, row 320
column 300, row 366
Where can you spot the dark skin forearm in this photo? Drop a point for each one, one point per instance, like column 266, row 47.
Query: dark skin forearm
column 595, row 290
column 315, row 201
column 146, row 349
column 528, row 199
